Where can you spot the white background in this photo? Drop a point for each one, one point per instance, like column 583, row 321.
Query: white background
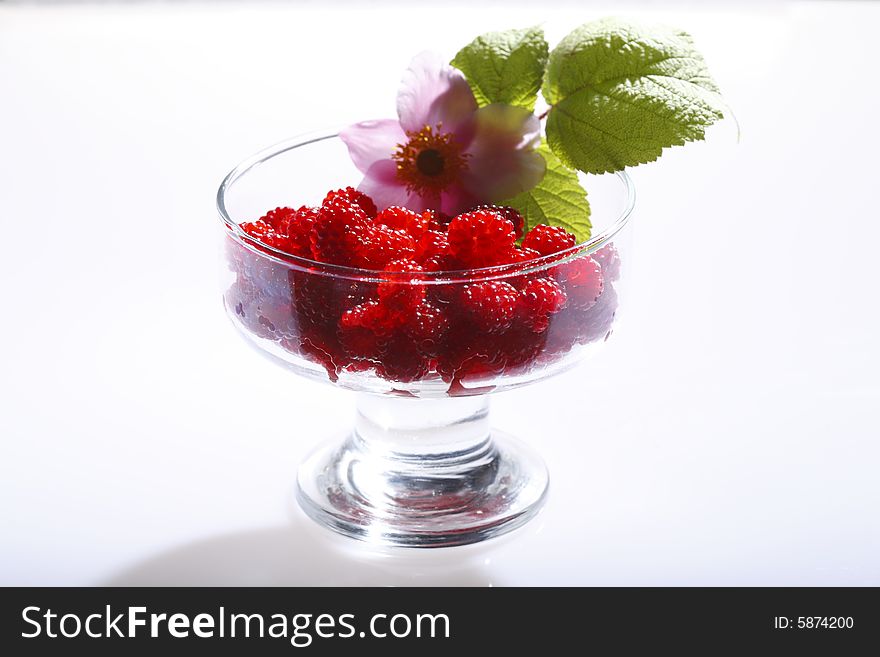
column 727, row 435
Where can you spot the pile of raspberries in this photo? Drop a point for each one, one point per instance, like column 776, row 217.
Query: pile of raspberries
column 461, row 326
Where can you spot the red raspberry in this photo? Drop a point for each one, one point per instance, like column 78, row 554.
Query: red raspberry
column 401, row 293
column 471, row 355
column 373, row 246
column 298, row 226
column 583, row 281
column 481, row 238
column 366, row 315
column 364, row 331
column 438, row 221
column 410, row 222
column 582, row 327
column 441, row 262
column 540, row 298
column 359, row 365
column 427, row 328
column 319, row 352
column 369, row 315
column 313, row 300
column 521, row 255
column 263, row 232
column 432, row 243
column 609, row 260
column 352, row 195
column 598, row 320
column 547, row 240
column 462, row 342
column 491, row 304
column 522, row 258
column 479, row 368
column 508, row 213
column 521, row 347
column 319, row 301
column 258, row 276
column 335, row 221
column 277, row 217
column 275, row 321
column 403, row 361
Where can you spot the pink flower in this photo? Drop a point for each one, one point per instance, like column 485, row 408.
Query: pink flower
column 443, row 152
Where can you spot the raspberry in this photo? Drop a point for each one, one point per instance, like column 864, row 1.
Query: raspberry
column 441, row 262
column 400, row 295
column 521, row 346
column 540, row 298
column 245, row 306
column 298, row 226
column 263, row 232
column 474, row 357
column 427, row 327
column 432, row 243
column 609, row 260
column 583, row 281
column 277, row 217
column 598, row 320
column 410, row 222
column 373, row 246
column 309, row 291
column 352, row 195
column 481, row 238
column 275, row 321
column 403, row 361
column 491, row 304
column 364, row 331
column 508, row 213
column 336, row 219
column 547, row 240
column 460, row 344
column 320, row 300
column 521, row 255
column 369, row 314
column 438, row 220
column 522, row 258
column 469, row 355
column 367, row 333
column 475, row 368
column 354, row 366
column 348, row 294
column 261, row 276
column 321, row 353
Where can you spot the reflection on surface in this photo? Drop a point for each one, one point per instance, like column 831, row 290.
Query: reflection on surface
column 301, row 554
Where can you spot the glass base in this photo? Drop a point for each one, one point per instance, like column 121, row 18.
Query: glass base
column 423, row 473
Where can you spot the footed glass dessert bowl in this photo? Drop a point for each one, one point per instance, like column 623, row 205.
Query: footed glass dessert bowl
column 424, row 348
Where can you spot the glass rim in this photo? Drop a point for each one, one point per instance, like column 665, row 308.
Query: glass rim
column 595, row 242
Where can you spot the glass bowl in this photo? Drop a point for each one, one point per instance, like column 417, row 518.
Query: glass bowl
column 422, row 467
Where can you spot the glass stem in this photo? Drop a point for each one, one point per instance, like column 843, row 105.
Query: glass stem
column 418, row 451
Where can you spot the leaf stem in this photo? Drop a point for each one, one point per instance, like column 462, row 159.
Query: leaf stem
column 543, row 115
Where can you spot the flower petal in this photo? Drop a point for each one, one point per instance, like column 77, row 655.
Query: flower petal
column 433, row 92
column 371, row 141
column 502, row 160
column 455, row 199
column 380, row 183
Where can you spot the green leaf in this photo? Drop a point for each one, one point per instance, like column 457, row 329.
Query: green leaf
column 621, row 93
column 558, row 200
column 505, row 67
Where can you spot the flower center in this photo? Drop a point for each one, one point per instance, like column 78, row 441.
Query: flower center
column 429, row 161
